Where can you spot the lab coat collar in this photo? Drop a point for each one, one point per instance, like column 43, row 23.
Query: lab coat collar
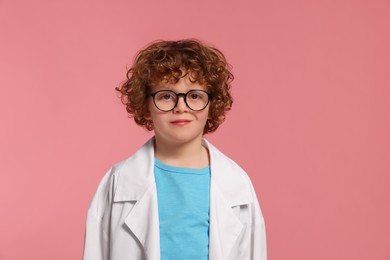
column 135, row 182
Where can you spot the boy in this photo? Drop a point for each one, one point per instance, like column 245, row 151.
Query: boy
column 177, row 197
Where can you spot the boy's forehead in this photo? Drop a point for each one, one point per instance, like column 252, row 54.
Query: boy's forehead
column 169, row 82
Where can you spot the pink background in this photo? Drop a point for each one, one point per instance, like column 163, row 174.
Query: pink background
column 310, row 122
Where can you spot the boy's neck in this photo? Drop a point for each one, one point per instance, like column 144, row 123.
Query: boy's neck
column 189, row 155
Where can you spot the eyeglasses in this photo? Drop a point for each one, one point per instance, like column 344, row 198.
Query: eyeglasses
column 166, row 100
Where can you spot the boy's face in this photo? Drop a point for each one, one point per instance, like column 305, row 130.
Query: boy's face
column 181, row 125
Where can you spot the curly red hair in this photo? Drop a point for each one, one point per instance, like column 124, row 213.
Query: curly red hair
column 169, row 60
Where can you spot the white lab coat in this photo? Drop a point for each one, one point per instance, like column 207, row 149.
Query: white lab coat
column 122, row 221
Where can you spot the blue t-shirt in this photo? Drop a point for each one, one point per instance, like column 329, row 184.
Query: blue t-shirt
column 184, row 211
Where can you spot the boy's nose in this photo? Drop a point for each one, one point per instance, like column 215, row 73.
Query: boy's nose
column 181, row 105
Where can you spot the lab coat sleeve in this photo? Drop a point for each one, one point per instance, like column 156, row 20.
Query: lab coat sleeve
column 257, row 245
column 96, row 243
column 96, row 240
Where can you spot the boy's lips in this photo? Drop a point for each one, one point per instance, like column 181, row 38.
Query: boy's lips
column 180, row 122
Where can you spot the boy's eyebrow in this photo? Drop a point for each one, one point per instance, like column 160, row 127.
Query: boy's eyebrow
column 163, row 88
column 162, row 84
column 158, row 87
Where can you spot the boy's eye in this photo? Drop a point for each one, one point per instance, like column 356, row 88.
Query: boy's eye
column 166, row 96
column 197, row 96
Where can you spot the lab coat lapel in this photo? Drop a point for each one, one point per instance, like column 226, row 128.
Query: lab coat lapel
column 136, row 183
column 227, row 189
column 143, row 223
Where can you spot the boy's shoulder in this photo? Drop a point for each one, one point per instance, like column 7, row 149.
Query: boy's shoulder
column 230, row 178
column 137, row 161
column 222, row 160
column 128, row 178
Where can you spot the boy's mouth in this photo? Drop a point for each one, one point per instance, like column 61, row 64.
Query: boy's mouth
column 180, row 122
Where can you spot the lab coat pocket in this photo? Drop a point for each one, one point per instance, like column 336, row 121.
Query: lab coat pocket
column 242, row 213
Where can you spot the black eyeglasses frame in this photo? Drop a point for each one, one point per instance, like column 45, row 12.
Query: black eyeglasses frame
column 184, row 95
